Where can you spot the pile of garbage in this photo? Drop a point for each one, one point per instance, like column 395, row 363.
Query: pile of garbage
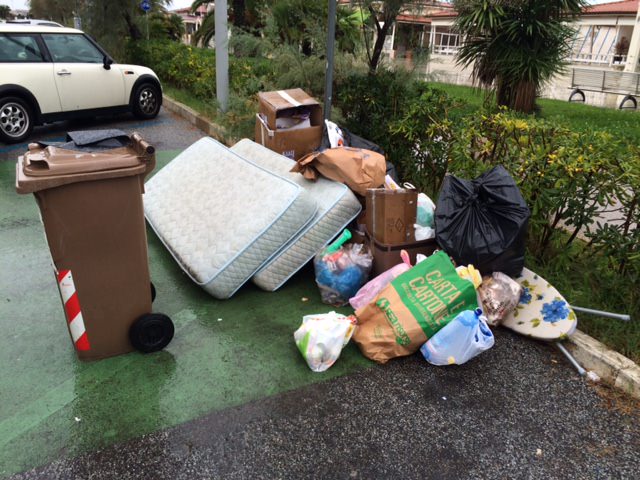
column 439, row 303
column 420, row 275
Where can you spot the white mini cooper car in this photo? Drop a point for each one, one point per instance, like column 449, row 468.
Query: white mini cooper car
column 51, row 73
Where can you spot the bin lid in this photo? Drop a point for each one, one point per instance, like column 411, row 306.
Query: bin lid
column 41, row 167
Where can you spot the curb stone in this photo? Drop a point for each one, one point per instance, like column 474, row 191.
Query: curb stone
column 612, row 367
column 199, row 121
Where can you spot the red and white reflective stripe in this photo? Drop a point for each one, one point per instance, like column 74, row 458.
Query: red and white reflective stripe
column 72, row 309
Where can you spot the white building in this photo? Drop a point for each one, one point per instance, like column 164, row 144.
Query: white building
column 192, row 20
column 608, row 38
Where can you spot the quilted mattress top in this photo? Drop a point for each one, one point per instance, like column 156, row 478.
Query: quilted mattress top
column 209, row 205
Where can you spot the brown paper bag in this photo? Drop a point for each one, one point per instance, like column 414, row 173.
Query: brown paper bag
column 357, row 168
column 412, row 309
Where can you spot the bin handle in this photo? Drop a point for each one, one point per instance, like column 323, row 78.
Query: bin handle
column 145, row 151
column 141, row 146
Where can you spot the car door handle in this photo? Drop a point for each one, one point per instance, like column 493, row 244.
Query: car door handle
column 63, row 72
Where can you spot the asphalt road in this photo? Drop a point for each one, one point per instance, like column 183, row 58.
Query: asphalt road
column 166, row 132
column 517, row 411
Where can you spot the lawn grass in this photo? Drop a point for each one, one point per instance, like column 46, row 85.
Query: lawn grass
column 235, row 125
column 207, row 108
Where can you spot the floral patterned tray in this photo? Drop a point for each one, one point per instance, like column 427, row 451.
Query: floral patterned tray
column 542, row 312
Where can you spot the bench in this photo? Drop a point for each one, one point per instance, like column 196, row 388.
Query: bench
column 606, row 81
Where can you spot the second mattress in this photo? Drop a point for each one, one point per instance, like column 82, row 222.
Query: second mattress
column 337, row 206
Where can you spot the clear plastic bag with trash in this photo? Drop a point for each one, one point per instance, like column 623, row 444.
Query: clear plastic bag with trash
column 465, row 337
column 321, row 338
column 341, row 270
column 499, row 295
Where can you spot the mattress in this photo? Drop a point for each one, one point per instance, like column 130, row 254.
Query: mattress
column 337, row 207
column 221, row 216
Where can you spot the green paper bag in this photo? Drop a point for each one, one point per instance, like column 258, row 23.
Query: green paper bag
column 412, row 308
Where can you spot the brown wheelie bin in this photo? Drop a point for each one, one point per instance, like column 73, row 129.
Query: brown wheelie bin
column 91, row 207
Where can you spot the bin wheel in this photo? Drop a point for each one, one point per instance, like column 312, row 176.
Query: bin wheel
column 151, row 332
column 153, row 291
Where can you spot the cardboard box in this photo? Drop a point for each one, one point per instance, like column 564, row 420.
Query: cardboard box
column 386, row 256
column 294, row 142
column 391, row 215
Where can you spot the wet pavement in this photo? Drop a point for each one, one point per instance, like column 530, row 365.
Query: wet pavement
column 231, row 396
column 516, row 412
column 167, row 132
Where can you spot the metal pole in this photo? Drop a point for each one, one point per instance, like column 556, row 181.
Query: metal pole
column 581, row 371
column 331, row 40
column 588, row 374
column 222, row 54
column 618, row 316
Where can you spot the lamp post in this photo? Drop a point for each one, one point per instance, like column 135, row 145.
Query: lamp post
column 222, row 54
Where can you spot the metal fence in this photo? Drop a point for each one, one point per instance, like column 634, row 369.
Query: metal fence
column 611, row 81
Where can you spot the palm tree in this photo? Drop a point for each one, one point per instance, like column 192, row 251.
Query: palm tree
column 243, row 13
column 515, row 46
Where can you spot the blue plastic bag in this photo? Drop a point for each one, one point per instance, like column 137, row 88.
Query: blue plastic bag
column 466, row 336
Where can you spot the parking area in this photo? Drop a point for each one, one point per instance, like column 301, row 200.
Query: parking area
column 166, row 132
column 231, row 397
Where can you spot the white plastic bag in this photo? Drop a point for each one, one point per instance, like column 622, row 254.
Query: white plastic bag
column 336, row 137
column 460, row 340
column 321, row 338
column 424, row 226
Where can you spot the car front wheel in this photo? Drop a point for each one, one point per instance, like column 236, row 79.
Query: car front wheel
column 146, row 101
column 16, row 120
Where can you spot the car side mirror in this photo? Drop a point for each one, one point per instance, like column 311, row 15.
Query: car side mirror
column 106, row 62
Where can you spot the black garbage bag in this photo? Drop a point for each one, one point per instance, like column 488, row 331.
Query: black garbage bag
column 350, row 140
column 483, row 222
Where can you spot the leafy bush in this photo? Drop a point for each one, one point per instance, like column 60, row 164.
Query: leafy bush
column 566, row 177
column 407, row 118
column 194, row 69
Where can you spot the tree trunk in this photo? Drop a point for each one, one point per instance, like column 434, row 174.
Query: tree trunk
column 239, row 14
column 134, row 31
column 524, row 97
column 377, row 48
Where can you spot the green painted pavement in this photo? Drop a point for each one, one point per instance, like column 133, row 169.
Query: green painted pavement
column 224, row 353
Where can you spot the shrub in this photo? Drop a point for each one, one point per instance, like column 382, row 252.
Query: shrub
column 567, row 178
column 407, row 118
column 194, row 69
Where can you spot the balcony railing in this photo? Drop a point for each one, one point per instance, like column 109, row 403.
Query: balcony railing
column 598, row 58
